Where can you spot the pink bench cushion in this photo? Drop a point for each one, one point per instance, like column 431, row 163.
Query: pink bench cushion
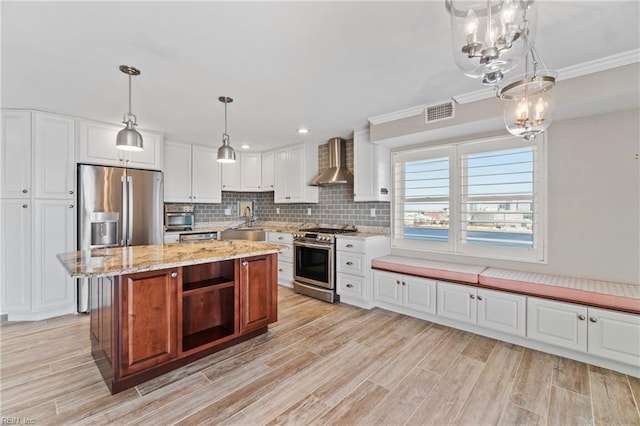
column 428, row 268
column 625, row 297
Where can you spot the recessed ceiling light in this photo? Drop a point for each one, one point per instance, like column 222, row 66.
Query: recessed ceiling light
column 245, row 146
column 303, row 130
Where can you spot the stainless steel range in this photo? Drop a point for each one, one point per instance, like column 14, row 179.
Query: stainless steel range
column 314, row 259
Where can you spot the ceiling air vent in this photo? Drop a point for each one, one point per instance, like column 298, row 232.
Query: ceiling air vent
column 439, row 112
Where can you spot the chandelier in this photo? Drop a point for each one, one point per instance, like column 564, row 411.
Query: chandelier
column 490, row 38
column 528, row 106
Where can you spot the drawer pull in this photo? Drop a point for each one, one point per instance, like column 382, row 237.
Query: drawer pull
column 349, row 245
column 593, row 319
column 479, row 297
column 281, row 238
column 349, row 285
column 403, row 283
column 24, row 191
column 174, row 274
column 349, row 263
column 472, row 296
column 245, row 263
column 581, row 317
column 280, row 270
column 398, row 282
column 24, row 206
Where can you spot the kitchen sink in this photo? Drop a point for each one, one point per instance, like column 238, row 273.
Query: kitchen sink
column 251, row 234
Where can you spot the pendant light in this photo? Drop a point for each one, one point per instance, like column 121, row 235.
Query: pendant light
column 490, row 37
column 528, row 107
column 129, row 139
column 226, row 154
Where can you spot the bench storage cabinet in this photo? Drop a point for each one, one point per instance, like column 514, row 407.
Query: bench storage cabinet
column 608, row 334
column 496, row 310
column 404, row 291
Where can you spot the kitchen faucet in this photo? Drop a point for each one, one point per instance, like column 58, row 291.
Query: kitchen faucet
column 248, row 215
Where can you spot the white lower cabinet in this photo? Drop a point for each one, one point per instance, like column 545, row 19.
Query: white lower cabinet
column 15, row 250
column 353, row 267
column 285, row 259
column 54, row 289
column 418, row 294
column 608, row 334
column 491, row 309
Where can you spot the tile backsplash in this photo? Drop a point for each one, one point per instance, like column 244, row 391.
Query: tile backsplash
column 335, row 204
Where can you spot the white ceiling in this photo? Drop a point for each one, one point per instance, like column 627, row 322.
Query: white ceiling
column 328, row 66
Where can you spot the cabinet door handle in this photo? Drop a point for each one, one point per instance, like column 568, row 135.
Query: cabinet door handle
column 24, row 191
column 70, row 192
column 24, row 206
column 281, row 238
column 472, row 296
column 398, row 282
column 349, row 285
column 70, row 206
column 581, row 317
column 349, row 263
column 174, row 274
column 403, row 283
column 593, row 319
column 349, row 245
column 245, row 263
column 280, row 270
column 479, row 297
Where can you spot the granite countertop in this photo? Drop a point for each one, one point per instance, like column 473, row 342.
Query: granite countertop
column 124, row 260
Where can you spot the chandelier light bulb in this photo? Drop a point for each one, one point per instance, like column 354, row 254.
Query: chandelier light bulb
column 491, row 37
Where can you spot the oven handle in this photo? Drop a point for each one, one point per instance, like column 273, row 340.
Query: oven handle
column 311, row 245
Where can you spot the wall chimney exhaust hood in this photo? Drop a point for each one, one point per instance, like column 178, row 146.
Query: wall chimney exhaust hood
column 337, row 173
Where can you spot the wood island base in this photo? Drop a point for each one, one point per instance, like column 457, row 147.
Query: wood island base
column 148, row 323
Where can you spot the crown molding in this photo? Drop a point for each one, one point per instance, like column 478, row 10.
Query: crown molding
column 397, row 115
column 598, row 65
column 579, row 70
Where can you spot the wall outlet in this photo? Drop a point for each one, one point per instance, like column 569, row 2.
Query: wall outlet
column 277, row 210
column 373, row 212
column 227, row 212
column 308, row 212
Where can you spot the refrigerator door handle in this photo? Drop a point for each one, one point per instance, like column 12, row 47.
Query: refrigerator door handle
column 124, row 215
column 130, row 210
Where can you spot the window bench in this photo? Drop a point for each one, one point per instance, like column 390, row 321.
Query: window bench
column 609, row 295
column 596, row 322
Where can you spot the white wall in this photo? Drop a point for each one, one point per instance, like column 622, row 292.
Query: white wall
column 593, row 201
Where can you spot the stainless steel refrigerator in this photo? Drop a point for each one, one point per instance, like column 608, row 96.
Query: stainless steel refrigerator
column 117, row 207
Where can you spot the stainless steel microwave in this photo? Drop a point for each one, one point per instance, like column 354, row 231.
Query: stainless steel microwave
column 179, row 217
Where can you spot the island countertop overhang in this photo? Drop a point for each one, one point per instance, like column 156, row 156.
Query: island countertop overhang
column 105, row 262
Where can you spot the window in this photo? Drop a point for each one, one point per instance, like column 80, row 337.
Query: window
column 480, row 198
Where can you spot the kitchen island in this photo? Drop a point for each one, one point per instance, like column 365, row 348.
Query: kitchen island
column 155, row 308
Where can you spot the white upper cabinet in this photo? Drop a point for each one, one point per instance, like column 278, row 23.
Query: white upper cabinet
column 206, row 175
column 250, row 171
column 54, row 144
column 371, row 169
column 268, row 166
column 244, row 175
column 191, row 173
column 97, row 145
column 177, row 172
column 294, row 168
column 16, row 154
column 231, row 175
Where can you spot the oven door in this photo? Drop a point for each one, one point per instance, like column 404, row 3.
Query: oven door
column 313, row 264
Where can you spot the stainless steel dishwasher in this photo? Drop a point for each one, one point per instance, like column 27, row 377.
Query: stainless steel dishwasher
column 199, row 236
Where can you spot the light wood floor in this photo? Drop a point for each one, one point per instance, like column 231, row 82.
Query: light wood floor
column 320, row 364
